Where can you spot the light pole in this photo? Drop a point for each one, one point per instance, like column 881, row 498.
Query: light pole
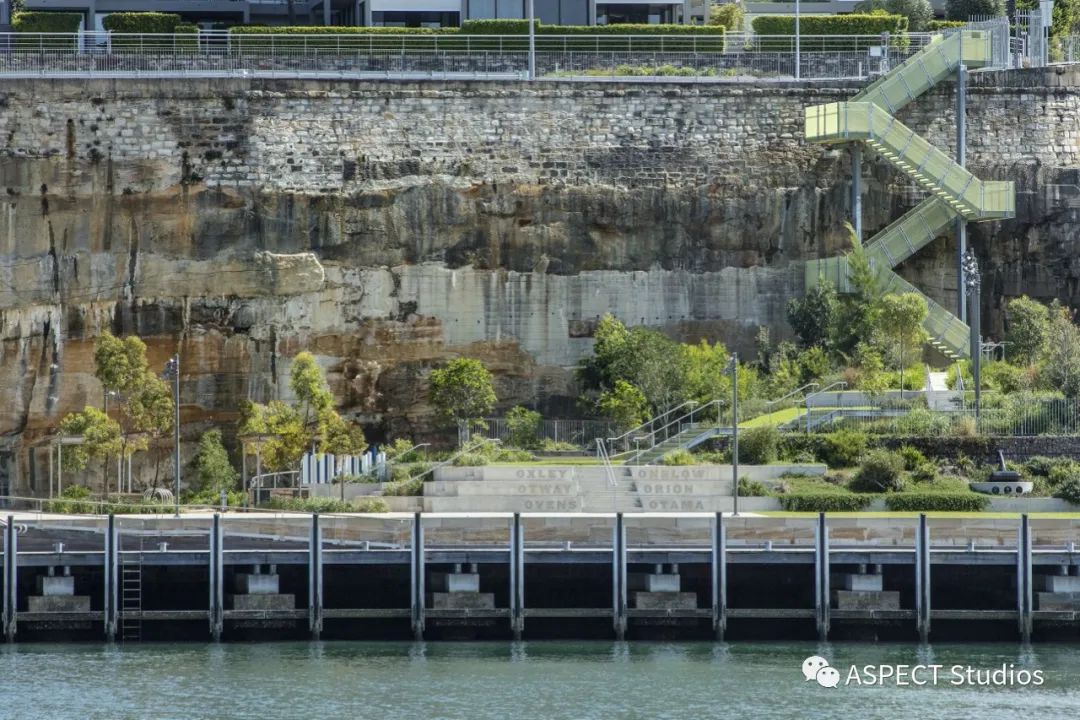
column 532, row 41
column 172, row 372
column 797, row 48
column 972, row 286
column 732, row 369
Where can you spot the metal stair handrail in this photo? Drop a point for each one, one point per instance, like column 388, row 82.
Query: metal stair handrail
column 646, row 428
column 839, row 383
column 665, row 433
column 794, row 392
column 468, row 448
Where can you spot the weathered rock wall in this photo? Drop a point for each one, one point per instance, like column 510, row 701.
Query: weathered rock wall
column 388, row 226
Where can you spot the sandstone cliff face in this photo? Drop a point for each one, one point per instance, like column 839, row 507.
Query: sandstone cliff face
column 387, row 227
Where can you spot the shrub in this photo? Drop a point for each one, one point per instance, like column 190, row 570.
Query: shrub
column 924, row 473
column 965, row 426
column 1040, row 487
column 936, row 501
column 752, row 488
column 213, row 471
column 372, row 505
column 678, row 457
column 470, row 459
column 920, row 422
column 141, row 22
column 310, row 504
column 852, row 24
column 825, row 502
column 912, row 457
column 965, row 9
column 74, row 500
column 759, row 445
column 728, row 15
column 523, row 428
column 409, row 487
column 1063, row 473
column 401, row 450
column 879, row 472
column 939, row 25
column 842, row 448
column 46, row 22
column 551, row 446
column 1069, row 491
column 235, row 498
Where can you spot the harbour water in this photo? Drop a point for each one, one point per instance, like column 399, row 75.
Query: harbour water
column 500, row 681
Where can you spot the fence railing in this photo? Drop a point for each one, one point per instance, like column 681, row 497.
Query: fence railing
column 733, row 56
column 576, row 432
column 998, row 415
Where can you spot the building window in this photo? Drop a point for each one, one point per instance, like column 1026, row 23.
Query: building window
column 415, row 18
column 614, row 13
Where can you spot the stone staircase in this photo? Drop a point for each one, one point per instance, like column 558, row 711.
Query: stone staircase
column 687, row 438
column 589, row 488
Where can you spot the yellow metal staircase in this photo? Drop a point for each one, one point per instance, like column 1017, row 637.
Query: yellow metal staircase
column 928, row 67
column 954, row 192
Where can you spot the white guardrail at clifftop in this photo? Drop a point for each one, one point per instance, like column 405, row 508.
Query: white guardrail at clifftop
column 732, row 57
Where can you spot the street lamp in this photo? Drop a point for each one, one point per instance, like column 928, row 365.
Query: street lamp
column 532, row 40
column 972, row 286
column 797, row 15
column 257, row 440
column 172, row 372
column 732, row 369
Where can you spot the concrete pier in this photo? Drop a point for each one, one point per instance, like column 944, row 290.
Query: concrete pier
column 704, row 575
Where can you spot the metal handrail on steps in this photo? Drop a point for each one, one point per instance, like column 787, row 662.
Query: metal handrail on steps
column 664, row 433
column 839, row 383
column 646, row 428
column 468, row 448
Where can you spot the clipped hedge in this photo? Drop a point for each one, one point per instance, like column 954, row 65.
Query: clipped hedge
column 502, row 35
column 939, row 25
column 837, row 25
column 521, row 27
column 936, row 501
column 335, row 30
column 825, row 501
column 141, row 22
column 46, row 22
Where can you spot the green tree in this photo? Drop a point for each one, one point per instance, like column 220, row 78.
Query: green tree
column 857, row 317
column 100, row 437
column 901, row 317
column 728, row 15
column 814, row 317
column 211, row 466
column 966, row 9
column 286, row 439
column 312, row 422
column 704, row 371
column 462, row 391
column 309, row 387
column 624, row 404
column 813, row 364
column 1028, row 330
column 610, row 359
column 523, row 427
column 1061, row 357
column 918, row 12
column 644, row 358
column 141, row 403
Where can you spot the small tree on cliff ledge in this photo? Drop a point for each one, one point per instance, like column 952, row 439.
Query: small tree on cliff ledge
column 140, row 408
column 462, row 392
column 311, row 420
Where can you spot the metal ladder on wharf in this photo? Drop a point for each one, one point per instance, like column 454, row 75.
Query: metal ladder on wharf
column 131, row 595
